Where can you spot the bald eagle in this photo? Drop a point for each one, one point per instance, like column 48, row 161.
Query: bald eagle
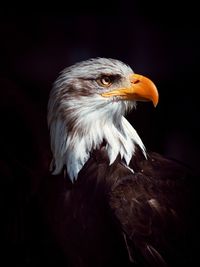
column 109, row 201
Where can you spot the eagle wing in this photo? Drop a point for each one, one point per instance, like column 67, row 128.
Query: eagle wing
column 154, row 210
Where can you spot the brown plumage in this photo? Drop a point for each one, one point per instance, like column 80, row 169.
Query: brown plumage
column 110, row 217
column 108, row 201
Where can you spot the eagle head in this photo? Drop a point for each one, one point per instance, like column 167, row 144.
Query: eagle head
column 86, row 108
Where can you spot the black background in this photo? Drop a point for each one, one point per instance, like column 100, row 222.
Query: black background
column 159, row 40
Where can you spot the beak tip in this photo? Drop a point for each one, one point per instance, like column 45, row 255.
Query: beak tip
column 155, row 98
column 155, row 103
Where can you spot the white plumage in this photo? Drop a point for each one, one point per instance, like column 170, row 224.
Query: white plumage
column 81, row 118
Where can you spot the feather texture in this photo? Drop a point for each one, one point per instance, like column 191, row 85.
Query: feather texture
column 80, row 119
column 113, row 217
column 119, row 205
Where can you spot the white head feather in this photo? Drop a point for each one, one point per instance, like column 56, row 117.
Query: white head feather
column 80, row 119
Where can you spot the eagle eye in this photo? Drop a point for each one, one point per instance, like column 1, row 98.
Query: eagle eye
column 105, row 81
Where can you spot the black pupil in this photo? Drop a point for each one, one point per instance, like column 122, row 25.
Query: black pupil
column 106, row 80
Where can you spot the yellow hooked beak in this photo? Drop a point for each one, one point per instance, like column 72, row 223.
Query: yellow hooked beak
column 141, row 89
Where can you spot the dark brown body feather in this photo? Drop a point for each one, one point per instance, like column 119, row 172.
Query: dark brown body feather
column 113, row 217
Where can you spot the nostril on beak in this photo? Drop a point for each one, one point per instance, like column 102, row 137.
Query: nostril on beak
column 135, row 81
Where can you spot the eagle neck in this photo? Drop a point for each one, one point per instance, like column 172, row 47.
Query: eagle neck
column 120, row 138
